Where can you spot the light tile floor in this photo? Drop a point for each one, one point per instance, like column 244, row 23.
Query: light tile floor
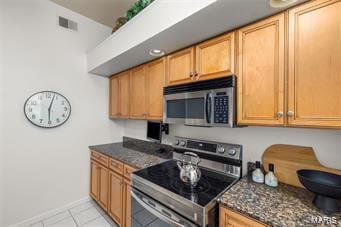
column 88, row 214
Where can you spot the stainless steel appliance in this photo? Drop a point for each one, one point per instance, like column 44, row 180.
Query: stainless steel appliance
column 189, row 171
column 160, row 198
column 205, row 103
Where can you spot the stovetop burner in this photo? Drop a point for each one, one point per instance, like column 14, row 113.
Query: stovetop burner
column 184, row 188
column 166, row 175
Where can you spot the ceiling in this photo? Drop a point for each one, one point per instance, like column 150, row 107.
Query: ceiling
column 103, row 11
column 130, row 45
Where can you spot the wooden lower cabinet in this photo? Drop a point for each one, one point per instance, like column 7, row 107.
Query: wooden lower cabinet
column 99, row 184
column 116, row 197
column 103, row 187
column 94, row 188
column 229, row 218
column 110, row 187
column 127, row 204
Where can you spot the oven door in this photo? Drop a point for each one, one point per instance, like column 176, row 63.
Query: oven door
column 146, row 211
column 189, row 108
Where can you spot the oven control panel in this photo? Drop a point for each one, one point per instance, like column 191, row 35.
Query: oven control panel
column 221, row 104
column 232, row 151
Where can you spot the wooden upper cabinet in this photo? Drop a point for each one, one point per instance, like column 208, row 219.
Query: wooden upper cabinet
column 119, row 95
column 215, row 57
column 115, row 208
column 124, row 85
column 138, row 93
column 229, row 218
column 180, row 67
column 156, row 80
column 114, row 106
column 261, row 72
column 315, row 64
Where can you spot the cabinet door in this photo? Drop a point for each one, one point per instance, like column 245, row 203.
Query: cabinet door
column 127, row 203
column 115, row 208
column 94, row 184
column 180, row 67
column 215, row 57
column 155, row 83
column 114, row 97
column 124, row 85
column 315, row 64
column 103, row 187
column 261, row 73
column 138, row 93
column 228, row 218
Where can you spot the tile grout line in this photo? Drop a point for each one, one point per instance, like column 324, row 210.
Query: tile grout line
column 81, row 210
column 91, row 220
column 74, row 220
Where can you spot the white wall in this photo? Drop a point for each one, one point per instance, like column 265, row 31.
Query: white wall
column 1, row 117
column 48, row 168
column 255, row 140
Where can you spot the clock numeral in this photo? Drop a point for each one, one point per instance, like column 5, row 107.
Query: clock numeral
column 49, row 122
column 57, row 120
column 33, row 116
column 41, row 120
column 65, row 109
column 63, row 103
column 48, row 95
column 33, row 103
column 40, row 97
column 30, row 109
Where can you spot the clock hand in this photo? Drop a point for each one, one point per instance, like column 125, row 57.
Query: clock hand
column 49, row 109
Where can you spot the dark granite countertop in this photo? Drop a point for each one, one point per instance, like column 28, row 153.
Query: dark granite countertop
column 134, row 152
column 282, row 206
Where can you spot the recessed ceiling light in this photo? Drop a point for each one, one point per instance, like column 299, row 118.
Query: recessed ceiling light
column 156, row 52
column 281, row 3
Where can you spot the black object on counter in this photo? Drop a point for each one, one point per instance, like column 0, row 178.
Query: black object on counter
column 326, row 186
column 257, row 164
column 271, row 167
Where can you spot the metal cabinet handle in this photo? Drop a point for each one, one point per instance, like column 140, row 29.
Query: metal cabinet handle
column 290, row 113
column 280, row 114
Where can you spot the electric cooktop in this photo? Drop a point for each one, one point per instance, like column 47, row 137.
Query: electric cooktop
column 166, row 175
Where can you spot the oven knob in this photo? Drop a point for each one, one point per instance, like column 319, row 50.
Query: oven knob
column 182, row 143
column 177, row 142
column 221, row 149
column 232, row 152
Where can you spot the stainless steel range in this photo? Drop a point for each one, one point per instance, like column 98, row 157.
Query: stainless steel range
column 161, row 198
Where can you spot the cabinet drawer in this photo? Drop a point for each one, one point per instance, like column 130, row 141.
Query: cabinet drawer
column 116, row 166
column 127, row 170
column 102, row 159
column 229, row 218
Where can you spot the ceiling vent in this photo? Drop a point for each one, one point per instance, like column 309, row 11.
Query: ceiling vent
column 68, row 24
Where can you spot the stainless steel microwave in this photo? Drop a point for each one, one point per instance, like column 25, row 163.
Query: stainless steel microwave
column 205, row 103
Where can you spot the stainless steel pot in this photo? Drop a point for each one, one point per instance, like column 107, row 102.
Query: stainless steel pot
column 190, row 172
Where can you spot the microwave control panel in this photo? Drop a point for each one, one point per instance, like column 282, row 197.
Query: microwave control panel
column 221, row 104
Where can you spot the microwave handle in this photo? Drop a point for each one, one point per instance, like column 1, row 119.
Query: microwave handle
column 208, row 107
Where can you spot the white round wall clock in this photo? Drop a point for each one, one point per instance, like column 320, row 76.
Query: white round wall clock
column 47, row 109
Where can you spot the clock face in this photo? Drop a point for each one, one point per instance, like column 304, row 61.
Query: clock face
column 47, row 109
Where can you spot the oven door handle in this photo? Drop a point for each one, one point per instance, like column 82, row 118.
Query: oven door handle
column 208, row 108
column 155, row 212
